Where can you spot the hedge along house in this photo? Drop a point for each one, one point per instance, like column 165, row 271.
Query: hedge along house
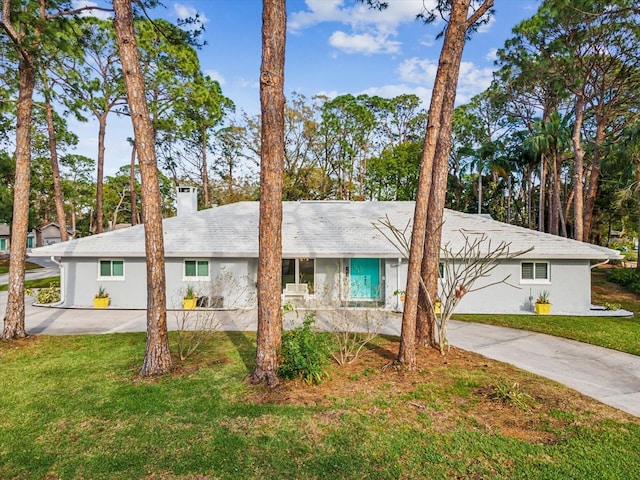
column 333, row 254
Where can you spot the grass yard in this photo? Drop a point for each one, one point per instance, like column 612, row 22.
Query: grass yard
column 618, row 333
column 37, row 283
column 4, row 264
column 73, row 407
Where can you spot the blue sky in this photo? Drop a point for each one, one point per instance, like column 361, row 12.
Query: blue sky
column 333, row 47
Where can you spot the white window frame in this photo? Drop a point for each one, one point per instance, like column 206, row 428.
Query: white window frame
column 538, row 281
column 196, row 278
column 111, row 278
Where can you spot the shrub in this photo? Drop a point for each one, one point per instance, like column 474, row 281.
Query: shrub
column 304, row 353
column 612, row 305
column 50, row 294
column 627, row 277
column 511, row 393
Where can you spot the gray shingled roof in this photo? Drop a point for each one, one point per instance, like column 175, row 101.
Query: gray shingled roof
column 319, row 229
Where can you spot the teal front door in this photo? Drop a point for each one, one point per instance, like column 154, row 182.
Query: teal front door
column 365, row 278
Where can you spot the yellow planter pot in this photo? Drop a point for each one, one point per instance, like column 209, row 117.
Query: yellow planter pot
column 543, row 308
column 189, row 303
column 101, row 302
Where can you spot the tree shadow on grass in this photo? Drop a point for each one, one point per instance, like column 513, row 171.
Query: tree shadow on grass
column 245, row 343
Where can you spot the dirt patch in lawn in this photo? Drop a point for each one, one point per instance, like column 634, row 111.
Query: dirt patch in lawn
column 603, row 291
column 459, row 389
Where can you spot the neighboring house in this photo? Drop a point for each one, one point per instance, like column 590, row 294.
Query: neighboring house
column 48, row 234
column 5, row 238
column 332, row 253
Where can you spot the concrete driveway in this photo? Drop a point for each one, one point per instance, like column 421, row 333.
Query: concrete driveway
column 608, row 376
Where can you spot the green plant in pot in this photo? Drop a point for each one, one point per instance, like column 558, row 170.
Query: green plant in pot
column 190, row 299
column 543, row 304
column 101, row 299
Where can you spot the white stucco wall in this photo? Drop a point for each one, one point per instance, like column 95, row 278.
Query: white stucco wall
column 569, row 288
column 234, row 279
column 81, row 278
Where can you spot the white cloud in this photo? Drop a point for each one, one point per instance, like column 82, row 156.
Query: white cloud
column 472, row 80
column 357, row 14
column 419, row 71
column 217, row 76
column 329, row 94
column 487, row 26
column 371, row 31
column 392, row 91
column 428, row 41
column 246, row 83
column 184, row 11
column 101, row 14
column 363, row 43
column 492, row 55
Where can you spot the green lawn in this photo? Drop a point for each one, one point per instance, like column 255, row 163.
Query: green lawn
column 72, row 407
column 4, row 266
column 618, row 333
column 621, row 334
column 37, row 283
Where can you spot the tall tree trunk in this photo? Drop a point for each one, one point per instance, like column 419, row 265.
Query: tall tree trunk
column 205, row 174
column 637, row 166
column 55, row 169
column 567, row 212
column 430, row 269
column 542, row 194
column 529, row 197
column 157, row 359
column 594, row 181
column 578, row 172
column 479, row 187
column 269, row 334
column 14, row 318
column 554, row 206
column 453, row 37
column 102, row 129
column 132, row 186
column 562, row 225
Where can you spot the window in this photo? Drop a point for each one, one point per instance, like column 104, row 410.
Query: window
column 3, row 244
column 112, row 269
column 197, row 269
column 534, row 272
column 298, row 270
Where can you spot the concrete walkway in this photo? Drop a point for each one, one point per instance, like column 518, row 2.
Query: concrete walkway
column 609, row 376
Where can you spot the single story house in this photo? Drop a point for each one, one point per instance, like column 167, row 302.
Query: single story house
column 5, row 238
column 332, row 253
column 48, row 233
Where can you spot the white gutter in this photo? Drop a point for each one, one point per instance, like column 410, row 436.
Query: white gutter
column 62, row 282
column 596, row 265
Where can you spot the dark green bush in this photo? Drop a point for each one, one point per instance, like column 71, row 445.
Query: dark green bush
column 627, row 277
column 304, row 353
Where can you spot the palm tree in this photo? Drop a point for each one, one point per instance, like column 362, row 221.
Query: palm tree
column 550, row 141
column 629, row 149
